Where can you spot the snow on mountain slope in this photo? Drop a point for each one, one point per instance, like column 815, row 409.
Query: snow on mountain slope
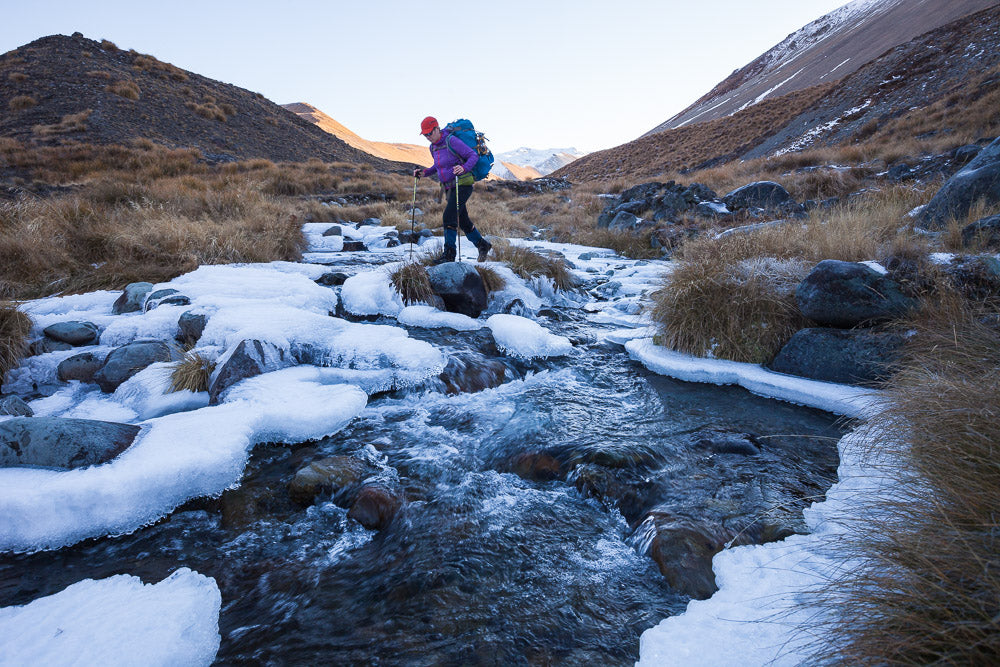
column 825, row 50
column 545, row 160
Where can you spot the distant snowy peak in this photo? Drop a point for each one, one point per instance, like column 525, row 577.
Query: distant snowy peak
column 544, row 161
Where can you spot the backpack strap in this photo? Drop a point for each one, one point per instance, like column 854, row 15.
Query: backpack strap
column 447, row 140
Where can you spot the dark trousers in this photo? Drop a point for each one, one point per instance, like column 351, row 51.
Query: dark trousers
column 453, row 220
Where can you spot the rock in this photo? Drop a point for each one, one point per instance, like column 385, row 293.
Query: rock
column 467, row 374
column 165, row 297
column 332, row 279
column 985, row 231
column 460, row 286
column 249, row 359
column 724, row 442
column 334, row 230
column 132, row 298
column 191, row 326
column 375, row 507
column 700, row 192
column 977, row 181
column 73, row 333
column 536, row 466
column 624, row 221
column 15, row 407
column 858, row 356
column 353, row 246
column 62, row 443
column 338, row 476
column 977, row 277
column 80, row 367
column 898, row 172
column 126, row 361
column 683, row 550
column 762, row 194
column 965, row 154
column 845, row 294
column 46, row 345
column 370, row 222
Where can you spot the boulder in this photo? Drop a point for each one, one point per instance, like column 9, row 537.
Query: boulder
column 80, row 367
column 375, row 506
column 725, row 442
column 683, row 549
column 623, row 221
column 333, row 230
column 249, row 359
column 353, row 246
column 132, row 298
column 978, row 180
column 762, row 194
column 370, row 222
column 858, row 356
column 62, row 443
column 467, row 374
column 332, row 279
column 985, row 230
column 73, row 333
column 126, row 361
column 15, row 407
column 46, row 345
column 460, row 287
column 191, row 325
column 165, row 297
column 845, row 294
column 965, row 154
column 339, row 476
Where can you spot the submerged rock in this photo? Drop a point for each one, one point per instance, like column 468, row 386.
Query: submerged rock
column 375, row 506
column 62, row 443
column 467, row 374
column 339, row 476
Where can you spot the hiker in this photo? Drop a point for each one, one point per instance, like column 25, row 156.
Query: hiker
column 453, row 163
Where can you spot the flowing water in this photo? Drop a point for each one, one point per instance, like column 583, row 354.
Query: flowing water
column 532, row 513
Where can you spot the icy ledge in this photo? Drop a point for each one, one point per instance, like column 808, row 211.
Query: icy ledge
column 117, row 621
column 759, row 615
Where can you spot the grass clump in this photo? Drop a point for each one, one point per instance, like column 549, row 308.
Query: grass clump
column 492, row 281
column 924, row 586
column 722, row 302
column 191, row 373
column 21, row 102
column 412, row 283
column 74, row 122
column 123, row 88
column 14, row 329
column 528, row 264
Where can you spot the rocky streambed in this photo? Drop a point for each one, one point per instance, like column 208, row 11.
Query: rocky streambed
column 504, row 511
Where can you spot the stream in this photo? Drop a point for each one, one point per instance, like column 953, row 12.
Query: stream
column 552, row 511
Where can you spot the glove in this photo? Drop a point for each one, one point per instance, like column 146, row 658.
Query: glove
column 418, row 172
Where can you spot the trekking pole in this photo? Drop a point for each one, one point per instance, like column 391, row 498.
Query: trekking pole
column 413, row 213
column 458, row 234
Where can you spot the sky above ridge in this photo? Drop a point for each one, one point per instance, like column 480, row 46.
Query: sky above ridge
column 542, row 74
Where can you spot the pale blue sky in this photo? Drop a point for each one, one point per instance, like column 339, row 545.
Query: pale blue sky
column 539, row 74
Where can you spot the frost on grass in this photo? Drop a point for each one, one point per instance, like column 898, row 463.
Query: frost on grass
column 117, row 621
column 526, row 339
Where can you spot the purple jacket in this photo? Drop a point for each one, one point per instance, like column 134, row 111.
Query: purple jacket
column 445, row 160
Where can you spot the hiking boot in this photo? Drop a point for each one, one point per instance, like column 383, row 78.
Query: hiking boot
column 447, row 256
column 484, row 249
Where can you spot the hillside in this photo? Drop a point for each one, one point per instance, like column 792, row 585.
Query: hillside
column 825, row 50
column 513, row 172
column 954, row 66
column 61, row 89
column 398, row 152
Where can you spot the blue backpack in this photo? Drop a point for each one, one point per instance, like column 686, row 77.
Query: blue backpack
column 463, row 130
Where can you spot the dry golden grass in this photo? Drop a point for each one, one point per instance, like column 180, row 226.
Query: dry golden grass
column 109, row 46
column 412, row 282
column 75, row 122
column 721, row 300
column 21, row 102
column 191, row 373
column 14, row 329
column 208, row 110
column 527, row 263
column 492, row 281
column 18, row 77
column 127, row 89
column 146, row 63
column 99, row 74
column 924, row 586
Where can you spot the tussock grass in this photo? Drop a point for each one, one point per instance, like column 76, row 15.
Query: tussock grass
column 14, row 329
column 724, row 301
column 636, row 245
column 208, row 110
column 18, row 77
column 492, row 281
column 527, row 263
column 123, row 88
column 924, row 586
column 412, row 282
column 21, row 102
column 74, row 122
column 191, row 373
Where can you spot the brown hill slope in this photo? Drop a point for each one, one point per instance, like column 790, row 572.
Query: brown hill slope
column 388, row 151
column 827, row 49
column 956, row 65
column 59, row 89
